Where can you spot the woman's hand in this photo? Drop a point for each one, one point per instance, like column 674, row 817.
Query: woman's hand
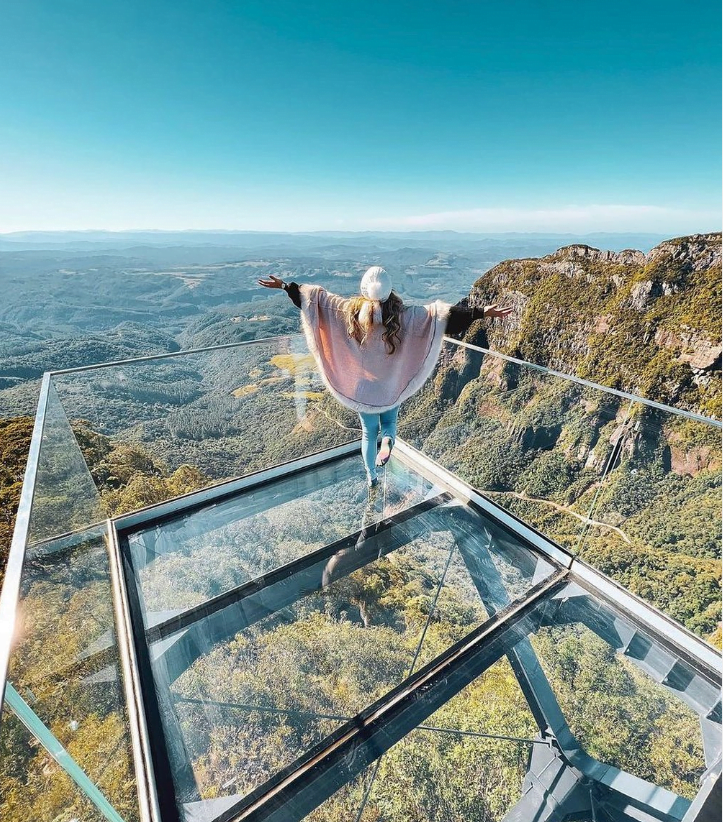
column 495, row 311
column 272, row 282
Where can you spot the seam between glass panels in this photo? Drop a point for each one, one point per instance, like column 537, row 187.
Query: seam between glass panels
column 52, row 745
column 612, row 458
column 241, row 706
column 68, row 540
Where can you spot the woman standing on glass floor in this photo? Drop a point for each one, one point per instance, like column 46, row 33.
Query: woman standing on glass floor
column 373, row 352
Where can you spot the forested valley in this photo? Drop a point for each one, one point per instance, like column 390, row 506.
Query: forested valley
column 631, row 489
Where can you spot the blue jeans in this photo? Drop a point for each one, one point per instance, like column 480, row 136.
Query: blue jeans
column 371, row 423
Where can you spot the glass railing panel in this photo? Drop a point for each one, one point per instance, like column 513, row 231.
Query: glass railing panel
column 534, row 443
column 65, row 497
column 153, row 429
column 270, row 675
column 189, row 558
column 656, row 522
column 631, row 488
column 65, row 669
column 35, row 788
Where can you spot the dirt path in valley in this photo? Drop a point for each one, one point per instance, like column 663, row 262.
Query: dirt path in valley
column 566, row 510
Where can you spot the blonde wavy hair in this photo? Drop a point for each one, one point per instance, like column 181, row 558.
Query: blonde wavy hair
column 359, row 314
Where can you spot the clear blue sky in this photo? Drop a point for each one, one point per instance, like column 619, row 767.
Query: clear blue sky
column 268, row 114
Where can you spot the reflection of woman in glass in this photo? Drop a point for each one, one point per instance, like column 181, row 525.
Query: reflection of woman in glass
column 373, row 351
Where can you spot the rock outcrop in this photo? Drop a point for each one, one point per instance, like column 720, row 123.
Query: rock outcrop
column 647, row 323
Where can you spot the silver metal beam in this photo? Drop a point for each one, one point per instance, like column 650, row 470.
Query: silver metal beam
column 143, row 764
column 418, row 461
column 651, row 617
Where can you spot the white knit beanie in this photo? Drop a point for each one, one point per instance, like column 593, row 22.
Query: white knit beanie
column 376, row 284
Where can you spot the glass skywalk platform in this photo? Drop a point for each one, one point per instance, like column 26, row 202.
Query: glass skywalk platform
column 285, row 645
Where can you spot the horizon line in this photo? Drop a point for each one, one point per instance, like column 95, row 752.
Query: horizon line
column 342, row 232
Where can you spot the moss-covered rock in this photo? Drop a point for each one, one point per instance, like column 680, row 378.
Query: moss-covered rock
column 646, row 323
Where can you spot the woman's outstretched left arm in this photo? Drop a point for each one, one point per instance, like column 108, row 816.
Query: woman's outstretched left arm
column 460, row 319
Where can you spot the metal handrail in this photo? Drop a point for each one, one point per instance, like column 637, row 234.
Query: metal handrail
column 183, row 352
column 16, row 557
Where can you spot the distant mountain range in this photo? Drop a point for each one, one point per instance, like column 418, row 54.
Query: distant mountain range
column 304, row 241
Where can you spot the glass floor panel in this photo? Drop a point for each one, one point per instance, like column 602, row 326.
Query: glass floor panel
column 249, row 681
column 618, row 713
column 291, row 652
column 442, row 777
column 200, row 553
column 466, row 763
column 481, row 756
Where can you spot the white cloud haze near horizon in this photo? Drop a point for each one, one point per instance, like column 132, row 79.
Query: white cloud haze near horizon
column 574, row 219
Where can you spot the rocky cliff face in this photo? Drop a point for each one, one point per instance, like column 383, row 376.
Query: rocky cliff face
column 646, row 323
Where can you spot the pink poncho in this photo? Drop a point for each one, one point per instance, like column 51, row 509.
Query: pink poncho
column 365, row 377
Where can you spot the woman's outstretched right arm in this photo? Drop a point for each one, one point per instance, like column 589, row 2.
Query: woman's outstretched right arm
column 312, row 292
column 292, row 289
